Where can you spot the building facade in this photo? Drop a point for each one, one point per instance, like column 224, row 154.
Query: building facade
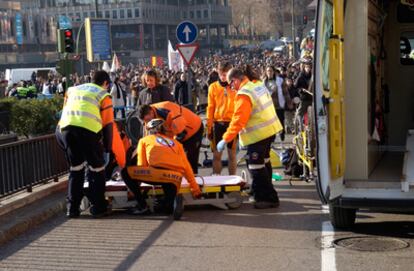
column 139, row 28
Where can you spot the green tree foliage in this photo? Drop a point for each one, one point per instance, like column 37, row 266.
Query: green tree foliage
column 32, row 117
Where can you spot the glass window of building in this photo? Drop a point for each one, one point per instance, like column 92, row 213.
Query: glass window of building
column 137, row 12
column 115, row 14
column 107, row 14
column 191, row 14
column 198, row 14
column 93, row 15
column 205, row 13
column 129, row 13
column 184, row 14
column 122, row 14
column 85, row 15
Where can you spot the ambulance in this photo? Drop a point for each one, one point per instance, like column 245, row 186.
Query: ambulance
column 364, row 106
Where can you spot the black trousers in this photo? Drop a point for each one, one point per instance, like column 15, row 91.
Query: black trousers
column 192, row 148
column 260, row 170
column 170, row 191
column 84, row 148
column 281, row 116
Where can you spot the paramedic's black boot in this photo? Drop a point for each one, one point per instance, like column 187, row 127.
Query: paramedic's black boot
column 178, row 207
column 139, row 210
column 72, row 213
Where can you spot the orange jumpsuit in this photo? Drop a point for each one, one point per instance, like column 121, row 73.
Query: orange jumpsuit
column 177, row 119
column 220, row 106
column 160, row 151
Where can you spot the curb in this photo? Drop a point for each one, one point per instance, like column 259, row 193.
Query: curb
column 22, row 199
column 23, row 212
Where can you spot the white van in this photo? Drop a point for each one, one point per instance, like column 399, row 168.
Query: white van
column 364, row 106
column 16, row 75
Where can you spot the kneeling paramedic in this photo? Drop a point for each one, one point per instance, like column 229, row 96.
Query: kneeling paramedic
column 256, row 122
column 158, row 152
column 180, row 122
column 85, row 130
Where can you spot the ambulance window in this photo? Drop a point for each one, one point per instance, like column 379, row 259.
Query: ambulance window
column 326, row 33
column 407, row 48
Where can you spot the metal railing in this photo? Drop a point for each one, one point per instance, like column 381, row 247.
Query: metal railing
column 30, row 162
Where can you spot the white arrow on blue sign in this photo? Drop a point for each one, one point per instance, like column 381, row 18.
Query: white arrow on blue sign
column 187, row 32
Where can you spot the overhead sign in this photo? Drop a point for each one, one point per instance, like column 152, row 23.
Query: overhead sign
column 19, row 29
column 187, row 32
column 98, row 40
column 187, row 52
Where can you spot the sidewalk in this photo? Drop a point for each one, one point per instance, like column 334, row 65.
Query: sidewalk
column 22, row 211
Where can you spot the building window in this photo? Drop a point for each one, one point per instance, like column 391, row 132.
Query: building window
column 198, row 14
column 78, row 17
column 137, row 12
column 93, row 14
column 122, row 14
column 107, row 14
column 185, row 14
column 206, row 13
column 85, row 15
column 115, row 14
column 129, row 13
column 191, row 14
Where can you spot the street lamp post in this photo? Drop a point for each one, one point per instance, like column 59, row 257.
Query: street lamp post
column 96, row 8
column 250, row 22
column 293, row 28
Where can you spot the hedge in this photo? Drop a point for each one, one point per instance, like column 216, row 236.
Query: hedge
column 32, row 117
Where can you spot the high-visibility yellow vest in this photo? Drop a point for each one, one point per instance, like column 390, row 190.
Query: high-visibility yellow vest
column 82, row 107
column 32, row 89
column 263, row 121
column 22, row 92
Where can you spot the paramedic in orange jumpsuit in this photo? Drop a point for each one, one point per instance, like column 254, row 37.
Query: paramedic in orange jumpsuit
column 180, row 122
column 157, row 150
column 220, row 109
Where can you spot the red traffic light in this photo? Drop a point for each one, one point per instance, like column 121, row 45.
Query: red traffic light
column 68, row 33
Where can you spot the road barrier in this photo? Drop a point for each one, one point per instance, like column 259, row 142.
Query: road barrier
column 30, row 162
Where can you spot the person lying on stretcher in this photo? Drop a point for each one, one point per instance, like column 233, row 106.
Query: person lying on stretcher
column 159, row 153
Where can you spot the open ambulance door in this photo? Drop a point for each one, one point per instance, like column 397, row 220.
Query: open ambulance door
column 329, row 99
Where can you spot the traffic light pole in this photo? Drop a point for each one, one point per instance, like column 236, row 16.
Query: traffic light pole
column 77, row 45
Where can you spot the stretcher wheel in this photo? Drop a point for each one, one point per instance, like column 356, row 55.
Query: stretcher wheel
column 178, row 207
column 238, row 200
column 245, row 176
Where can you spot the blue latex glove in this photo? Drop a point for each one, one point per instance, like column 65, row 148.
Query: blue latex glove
column 221, row 145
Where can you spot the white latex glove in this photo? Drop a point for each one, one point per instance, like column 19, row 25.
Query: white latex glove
column 221, row 145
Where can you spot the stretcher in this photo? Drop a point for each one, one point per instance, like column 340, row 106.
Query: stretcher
column 223, row 192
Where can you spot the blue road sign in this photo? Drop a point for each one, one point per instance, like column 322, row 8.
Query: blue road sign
column 187, row 32
column 19, row 29
column 98, row 40
column 64, row 22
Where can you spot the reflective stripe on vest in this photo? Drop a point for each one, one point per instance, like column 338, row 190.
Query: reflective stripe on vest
column 22, row 91
column 263, row 121
column 82, row 107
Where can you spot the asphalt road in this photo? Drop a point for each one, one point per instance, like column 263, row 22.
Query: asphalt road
column 295, row 236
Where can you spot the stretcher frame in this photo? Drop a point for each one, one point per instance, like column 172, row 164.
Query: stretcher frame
column 223, row 196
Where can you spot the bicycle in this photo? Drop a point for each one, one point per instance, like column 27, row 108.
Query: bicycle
column 304, row 139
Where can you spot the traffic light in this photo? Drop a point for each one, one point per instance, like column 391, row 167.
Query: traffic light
column 305, row 19
column 65, row 41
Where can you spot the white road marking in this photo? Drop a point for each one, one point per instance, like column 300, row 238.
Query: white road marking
column 328, row 261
